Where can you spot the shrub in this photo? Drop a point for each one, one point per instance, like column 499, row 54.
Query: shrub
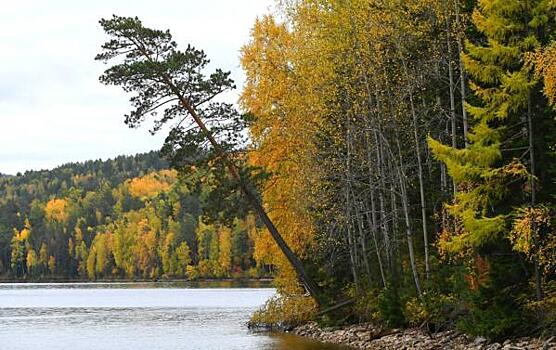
column 366, row 306
column 434, row 310
column 390, row 308
column 192, row 272
column 284, row 312
column 544, row 312
column 495, row 308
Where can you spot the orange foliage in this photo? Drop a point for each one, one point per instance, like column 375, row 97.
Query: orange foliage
column 282, row 134
column 545, row 68
column 152, row 184
column 480, row 275
column 533, row 235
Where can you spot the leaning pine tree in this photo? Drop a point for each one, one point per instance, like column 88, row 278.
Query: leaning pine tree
column 169, row 85
column 495, row 173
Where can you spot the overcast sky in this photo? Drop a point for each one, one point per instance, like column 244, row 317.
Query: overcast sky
column 53, row 110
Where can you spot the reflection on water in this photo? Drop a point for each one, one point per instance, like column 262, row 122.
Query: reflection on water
column 135, row 316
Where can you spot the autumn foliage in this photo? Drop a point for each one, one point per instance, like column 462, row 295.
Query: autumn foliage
column 149, row 226
column 411, row 151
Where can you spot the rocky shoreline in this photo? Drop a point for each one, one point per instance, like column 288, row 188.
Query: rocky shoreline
column 369, row 336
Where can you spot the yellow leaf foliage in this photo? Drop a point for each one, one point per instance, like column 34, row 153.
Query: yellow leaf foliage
column 24, row 234
column 225, row 248
column 32, row 259
column 55, row 210
column 52, row 264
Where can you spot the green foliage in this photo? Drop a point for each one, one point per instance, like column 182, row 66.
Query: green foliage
column 543, row 312
column 391, row 308
column 495, row 307
column 494, row 315
column 366, row 306
column 433, row 309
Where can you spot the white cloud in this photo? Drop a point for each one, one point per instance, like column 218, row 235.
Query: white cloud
column 53, row 110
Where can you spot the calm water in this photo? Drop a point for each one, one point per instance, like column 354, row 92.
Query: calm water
column 127, row 316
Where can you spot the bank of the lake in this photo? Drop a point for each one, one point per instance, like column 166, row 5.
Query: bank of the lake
column 370, row 336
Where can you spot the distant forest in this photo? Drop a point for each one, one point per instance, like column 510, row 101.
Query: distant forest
column 125, row 218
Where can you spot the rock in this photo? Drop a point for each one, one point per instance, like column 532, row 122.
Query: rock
column 370, row 336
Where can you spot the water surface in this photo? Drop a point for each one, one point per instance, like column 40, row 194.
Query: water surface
column 132, row 316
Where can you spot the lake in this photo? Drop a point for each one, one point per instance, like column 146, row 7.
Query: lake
column 125, row 316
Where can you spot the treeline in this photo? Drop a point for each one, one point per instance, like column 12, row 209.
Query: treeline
column 126, row 218
column 412, row 150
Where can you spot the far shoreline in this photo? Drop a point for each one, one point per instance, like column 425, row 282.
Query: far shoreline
column 195, row 281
